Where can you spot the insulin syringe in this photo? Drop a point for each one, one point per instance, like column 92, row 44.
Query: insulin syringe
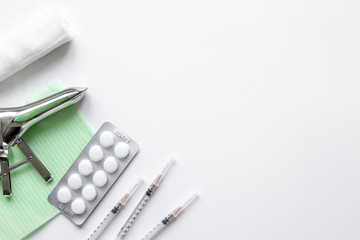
column 120, row 205
column 144, row 200
column 172, row 216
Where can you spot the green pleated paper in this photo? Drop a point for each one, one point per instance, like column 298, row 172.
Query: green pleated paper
column 57, row 141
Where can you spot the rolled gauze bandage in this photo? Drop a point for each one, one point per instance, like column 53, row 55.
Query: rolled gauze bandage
column 31, row 42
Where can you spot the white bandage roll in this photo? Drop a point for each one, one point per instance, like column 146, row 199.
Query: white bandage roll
column 24, row 46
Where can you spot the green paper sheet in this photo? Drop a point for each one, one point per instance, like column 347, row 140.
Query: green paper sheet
column 57, row 141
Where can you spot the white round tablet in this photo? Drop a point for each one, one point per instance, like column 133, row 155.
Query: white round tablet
column 85, row 167
column 107, row 139
column 64, row 195
column 89, row 192
column 74, row 181
column 78, row 206
column 110, row 164
column 121, row 150
column 96, row 153
column 100, row 178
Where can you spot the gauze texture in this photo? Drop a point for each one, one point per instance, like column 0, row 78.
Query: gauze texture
column 27, row 44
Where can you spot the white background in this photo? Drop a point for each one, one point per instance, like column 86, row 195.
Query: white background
column 259, row 99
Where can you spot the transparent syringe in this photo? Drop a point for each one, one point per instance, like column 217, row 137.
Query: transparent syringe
column 111, row 215
column 155, row 184
column 169, row 218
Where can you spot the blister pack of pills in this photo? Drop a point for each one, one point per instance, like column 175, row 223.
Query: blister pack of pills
column 93, row 173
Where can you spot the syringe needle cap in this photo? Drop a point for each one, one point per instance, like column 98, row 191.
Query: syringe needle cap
column 134, row 187
column 184, row 204
column 164, row 170
column 189, row 200
column 131, row 191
